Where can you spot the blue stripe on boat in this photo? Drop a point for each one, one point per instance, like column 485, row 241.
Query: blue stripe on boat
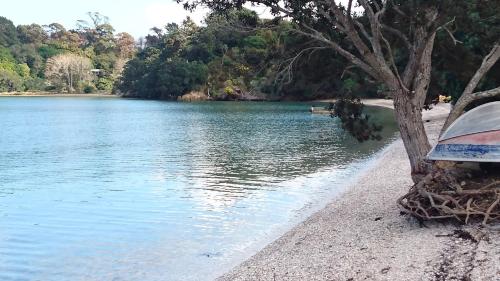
column 465, row 152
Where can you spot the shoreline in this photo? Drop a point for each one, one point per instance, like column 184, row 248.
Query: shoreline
column 49, row 94
column 387, row 103
column 362, row 166
column 360, row 235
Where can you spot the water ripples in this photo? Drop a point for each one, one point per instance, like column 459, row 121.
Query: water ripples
column 114, row 189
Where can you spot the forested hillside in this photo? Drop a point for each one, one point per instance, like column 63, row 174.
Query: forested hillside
column 235, row 55
column 52, row 58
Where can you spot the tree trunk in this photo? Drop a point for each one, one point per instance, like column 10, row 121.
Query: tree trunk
column 411, row 127
column 70, row 82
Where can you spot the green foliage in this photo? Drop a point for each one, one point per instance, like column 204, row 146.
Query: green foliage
column 11, row 73
column 354, row 120
column 35, row 84
column 47, row 51
column 155, row 78
column 6, row 55
column 350, row 85
column 8, row 33
column 255, row 41
column 23, row 70
column 477, row 27
column 28, row 54
column 237, row 46
column 89, row 89
column 10, row 81
column 316, row 74
column 31, row 34
column 104, row 84
column 105, row 62
column 178, row 77
column 25, row 50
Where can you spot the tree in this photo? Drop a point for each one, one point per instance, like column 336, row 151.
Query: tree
column 8, row 33
column 125, row 45
column 31, row 34
column 243, row 54
column 98, row 32
column 55, row 30
column 28, row 54
column 62, row 38
column 9, row 81
column 68, row 70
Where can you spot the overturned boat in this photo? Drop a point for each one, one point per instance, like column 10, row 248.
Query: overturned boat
column 473, row 137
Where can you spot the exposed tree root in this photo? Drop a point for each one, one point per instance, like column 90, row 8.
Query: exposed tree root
column 455, row 194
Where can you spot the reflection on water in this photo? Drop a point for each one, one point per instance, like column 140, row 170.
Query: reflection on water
column 114, row 189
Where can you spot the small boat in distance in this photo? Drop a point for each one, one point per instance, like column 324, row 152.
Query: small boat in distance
column 473, row 137
column 319, row 110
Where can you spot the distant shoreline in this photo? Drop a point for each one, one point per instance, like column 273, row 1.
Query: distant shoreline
column 370, row 102
column 51, row 94
column 387, row 103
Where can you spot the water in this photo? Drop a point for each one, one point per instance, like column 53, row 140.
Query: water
column 115, row 189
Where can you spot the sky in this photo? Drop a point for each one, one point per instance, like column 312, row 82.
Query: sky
column 136, row 17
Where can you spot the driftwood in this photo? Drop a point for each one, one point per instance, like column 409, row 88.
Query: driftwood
column 452, row 194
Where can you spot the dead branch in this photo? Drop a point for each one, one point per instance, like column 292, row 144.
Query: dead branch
column 435, row 197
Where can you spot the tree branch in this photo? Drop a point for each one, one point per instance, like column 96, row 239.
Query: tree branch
column 349, row 7
column 455, row 40
column 348, row 55
column 399, row 34
column 398, row 10
column 363, row 30
column 375, row 28
column 346, row 70
column 468, row 96
column 393, row 63
column 486, row 65
column 380, row 70
column 288, row 69
column 423, row 37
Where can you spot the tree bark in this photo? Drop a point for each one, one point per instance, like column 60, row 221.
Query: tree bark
column 423, row 76
column 411, row 127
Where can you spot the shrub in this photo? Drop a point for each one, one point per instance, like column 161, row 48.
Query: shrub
column 10, row 81
column 104, row 84
column 35, row 84
column 89, row 89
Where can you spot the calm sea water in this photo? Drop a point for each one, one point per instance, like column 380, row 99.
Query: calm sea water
column 116, row 189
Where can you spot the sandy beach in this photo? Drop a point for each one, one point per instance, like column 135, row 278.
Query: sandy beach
column 371, row 102
column 361, row 235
